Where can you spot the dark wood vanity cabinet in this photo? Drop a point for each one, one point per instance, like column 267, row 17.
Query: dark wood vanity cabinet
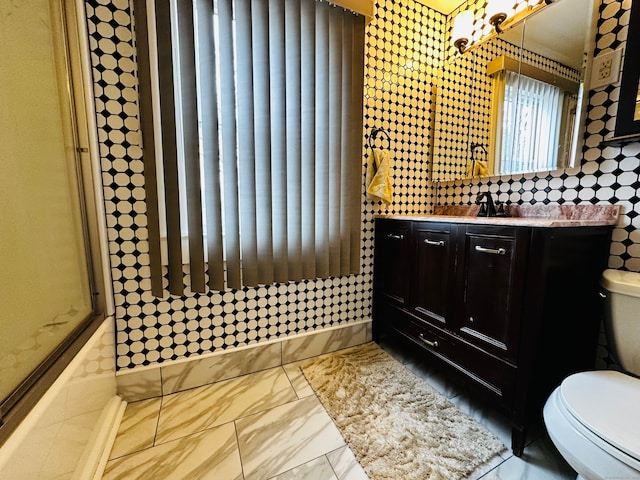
column 434, row 259
column 492, row 282
column 394, row 242
column 512, row 310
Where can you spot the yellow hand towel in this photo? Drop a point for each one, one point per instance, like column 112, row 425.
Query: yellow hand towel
column 482, row 169
column 478, row 168
column 379, row 176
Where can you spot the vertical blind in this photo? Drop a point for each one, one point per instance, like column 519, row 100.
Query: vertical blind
column 532, row 112
column 259, row 104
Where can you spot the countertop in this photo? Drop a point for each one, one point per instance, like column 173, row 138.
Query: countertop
column 546, row 216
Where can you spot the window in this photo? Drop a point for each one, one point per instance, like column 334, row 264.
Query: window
column 260, row 103
column 534, row 124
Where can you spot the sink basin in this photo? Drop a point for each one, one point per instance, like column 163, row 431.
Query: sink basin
column 457, row 210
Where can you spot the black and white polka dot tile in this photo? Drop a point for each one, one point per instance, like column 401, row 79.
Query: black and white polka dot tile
column 402, row 45
column 405, row 51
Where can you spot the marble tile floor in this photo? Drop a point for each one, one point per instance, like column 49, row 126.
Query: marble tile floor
column 270, row 426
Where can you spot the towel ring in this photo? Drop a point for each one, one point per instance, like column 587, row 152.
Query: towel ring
column 374, row 133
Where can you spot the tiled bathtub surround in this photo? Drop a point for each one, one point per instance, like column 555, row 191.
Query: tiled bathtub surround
column 56, row 439
column 153, row 381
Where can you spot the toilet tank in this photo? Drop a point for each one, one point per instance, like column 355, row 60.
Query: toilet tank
column 622, row 317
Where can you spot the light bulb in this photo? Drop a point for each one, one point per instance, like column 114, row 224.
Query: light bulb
column 462, row 29
column 496, row 12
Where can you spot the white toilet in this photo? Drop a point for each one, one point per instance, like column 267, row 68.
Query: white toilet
column 593, row 418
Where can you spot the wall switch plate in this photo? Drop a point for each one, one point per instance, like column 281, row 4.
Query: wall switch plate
column 606, row 68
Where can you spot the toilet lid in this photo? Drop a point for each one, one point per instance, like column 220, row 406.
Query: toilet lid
column 607, row 403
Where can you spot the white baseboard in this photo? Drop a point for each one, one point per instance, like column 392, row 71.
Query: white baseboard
column 169, row 377
column 95, row 456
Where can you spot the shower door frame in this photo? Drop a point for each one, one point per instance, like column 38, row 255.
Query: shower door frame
column 15, row 407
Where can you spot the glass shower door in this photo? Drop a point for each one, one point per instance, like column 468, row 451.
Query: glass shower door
column 45, row 290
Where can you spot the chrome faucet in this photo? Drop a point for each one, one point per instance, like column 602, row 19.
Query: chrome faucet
column 487, row 208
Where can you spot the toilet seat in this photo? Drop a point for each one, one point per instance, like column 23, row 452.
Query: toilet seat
column 605, row 406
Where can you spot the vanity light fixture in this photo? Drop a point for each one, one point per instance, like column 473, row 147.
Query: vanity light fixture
column 462, row 30
column 496, row 12
column 501, row 14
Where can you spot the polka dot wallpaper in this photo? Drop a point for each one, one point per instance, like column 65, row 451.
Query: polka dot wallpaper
column 402, row 53
column 405, row 46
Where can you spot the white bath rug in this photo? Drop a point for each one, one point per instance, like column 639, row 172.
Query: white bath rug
column 397, row 426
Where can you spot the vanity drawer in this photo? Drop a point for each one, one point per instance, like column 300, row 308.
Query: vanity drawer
column 492, row 373
column 427, row 336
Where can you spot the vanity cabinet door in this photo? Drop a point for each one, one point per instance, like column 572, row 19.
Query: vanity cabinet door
column 493, row 272
column 434, row 274
column 391, row 263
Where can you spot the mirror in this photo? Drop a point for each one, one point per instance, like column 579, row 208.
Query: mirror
column 451, row 123
column 526, row 108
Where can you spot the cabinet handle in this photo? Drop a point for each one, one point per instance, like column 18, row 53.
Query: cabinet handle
column 494, row 251
column 433, row 344
column 397, row 237
column 435, row 243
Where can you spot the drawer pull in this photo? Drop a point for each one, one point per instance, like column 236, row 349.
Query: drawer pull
column 435, row 243
column 397, row 237
column 433, row 344
column 494, row 251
